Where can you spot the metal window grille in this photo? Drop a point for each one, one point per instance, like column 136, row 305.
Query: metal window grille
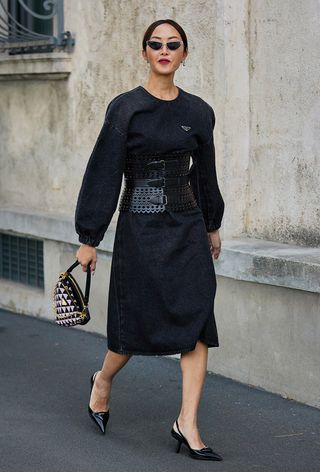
column 21, row 260
column 33, row 26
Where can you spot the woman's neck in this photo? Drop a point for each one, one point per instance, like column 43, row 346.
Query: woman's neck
column 165, row 89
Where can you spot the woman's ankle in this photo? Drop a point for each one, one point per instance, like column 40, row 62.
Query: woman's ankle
column 104, row 377
column 187, row 419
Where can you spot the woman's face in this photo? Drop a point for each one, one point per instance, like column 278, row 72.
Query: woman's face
column 165, row 33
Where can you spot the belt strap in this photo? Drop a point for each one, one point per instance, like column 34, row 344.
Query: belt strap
column 157, row 182
column 162, row 164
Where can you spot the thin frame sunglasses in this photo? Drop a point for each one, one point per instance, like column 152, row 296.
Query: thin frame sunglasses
column 157, row 45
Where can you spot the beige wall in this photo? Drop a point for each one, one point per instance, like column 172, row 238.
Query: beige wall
column 284, row 172
column 255, row 62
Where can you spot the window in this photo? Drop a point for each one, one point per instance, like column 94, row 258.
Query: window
column 32, row 26
column 21, row 260
column 21, row 22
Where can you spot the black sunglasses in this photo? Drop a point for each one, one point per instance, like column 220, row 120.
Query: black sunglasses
column 156, row 45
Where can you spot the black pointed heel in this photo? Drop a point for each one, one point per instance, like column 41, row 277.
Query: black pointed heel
column 205, row 453
column 100, row 418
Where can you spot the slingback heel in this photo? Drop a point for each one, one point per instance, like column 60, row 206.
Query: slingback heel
column 100, row 418
column 205, row 453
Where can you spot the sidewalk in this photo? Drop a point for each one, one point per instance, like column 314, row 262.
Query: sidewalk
column 45, row 427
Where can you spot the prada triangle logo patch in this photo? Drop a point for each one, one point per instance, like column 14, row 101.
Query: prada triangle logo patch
column 186, row 128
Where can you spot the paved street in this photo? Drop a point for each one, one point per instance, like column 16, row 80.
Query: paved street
column 45, row 427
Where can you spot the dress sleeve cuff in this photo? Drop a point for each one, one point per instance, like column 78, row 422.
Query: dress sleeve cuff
column 89, row 240
column 212, row 226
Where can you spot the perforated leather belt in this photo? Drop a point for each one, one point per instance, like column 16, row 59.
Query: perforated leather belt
column 154, row 185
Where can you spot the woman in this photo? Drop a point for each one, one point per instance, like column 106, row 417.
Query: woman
column 162, row 283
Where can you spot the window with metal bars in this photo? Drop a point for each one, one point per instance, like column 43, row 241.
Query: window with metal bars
column 33, row 26
column 21, row 260
column 22, row 22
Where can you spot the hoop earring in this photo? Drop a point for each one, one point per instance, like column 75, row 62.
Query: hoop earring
column 183, row 63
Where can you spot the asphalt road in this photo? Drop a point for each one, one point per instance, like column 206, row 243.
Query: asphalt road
column 44, row 424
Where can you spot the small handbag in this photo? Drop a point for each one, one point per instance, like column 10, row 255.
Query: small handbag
column 70, row 306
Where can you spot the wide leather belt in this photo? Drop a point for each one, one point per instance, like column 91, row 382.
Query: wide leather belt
column 154, row 185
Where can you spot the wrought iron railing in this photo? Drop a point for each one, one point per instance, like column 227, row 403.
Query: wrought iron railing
column 32, row 26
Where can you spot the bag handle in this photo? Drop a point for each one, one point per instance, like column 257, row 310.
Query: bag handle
column 88, row 280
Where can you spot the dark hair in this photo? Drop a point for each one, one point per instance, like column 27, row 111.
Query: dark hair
column 149, row 31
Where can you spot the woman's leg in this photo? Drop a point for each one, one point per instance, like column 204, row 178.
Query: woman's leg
column 101, row 392
column 194, row 368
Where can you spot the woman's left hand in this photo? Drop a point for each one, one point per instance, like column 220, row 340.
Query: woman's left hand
column 214, row 243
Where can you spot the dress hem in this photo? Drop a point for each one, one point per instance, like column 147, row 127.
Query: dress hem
column 162, row 353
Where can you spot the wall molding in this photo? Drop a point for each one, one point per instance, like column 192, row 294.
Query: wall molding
column 44, row 66
column 247, row 259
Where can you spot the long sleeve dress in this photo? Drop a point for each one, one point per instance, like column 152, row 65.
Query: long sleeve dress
column 162, row 281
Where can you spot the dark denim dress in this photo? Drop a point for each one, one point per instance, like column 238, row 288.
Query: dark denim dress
column 163, row 282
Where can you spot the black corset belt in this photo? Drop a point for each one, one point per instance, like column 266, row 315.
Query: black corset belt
column 156, row 183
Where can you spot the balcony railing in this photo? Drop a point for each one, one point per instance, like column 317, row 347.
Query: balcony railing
column 33, row 26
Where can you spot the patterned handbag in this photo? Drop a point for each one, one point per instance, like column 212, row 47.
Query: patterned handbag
column 70, row 306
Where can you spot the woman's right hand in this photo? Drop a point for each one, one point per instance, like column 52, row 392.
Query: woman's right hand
column 87, row 254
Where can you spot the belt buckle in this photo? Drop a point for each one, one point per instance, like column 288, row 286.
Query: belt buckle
column 162, row 162
column 155, row 199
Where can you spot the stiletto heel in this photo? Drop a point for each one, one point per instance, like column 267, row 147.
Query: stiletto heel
column 205, row 453
column 178, row 445
column 100, row 418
